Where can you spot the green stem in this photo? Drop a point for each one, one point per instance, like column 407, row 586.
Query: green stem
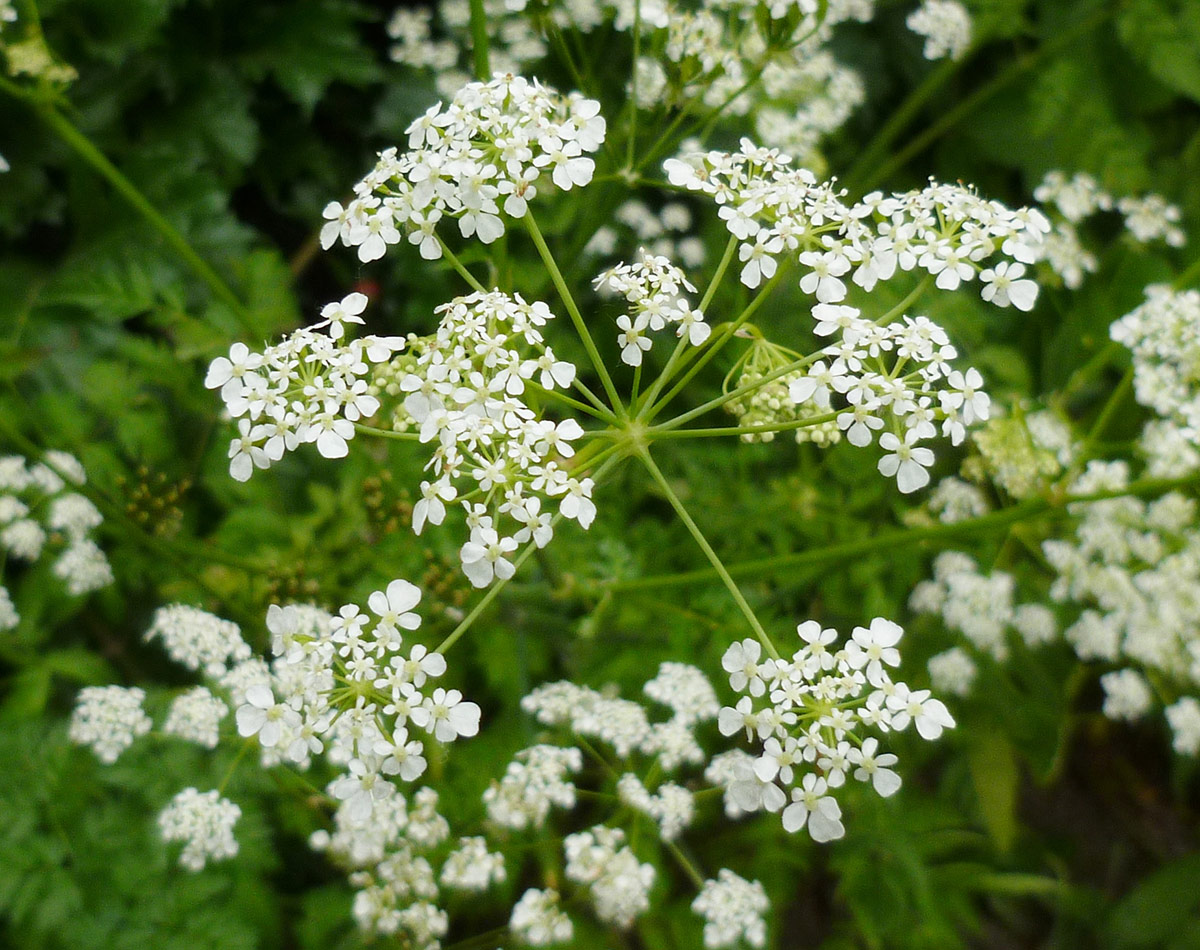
column 480, row 41
column 1106, row 413
column 654, row 433
column 499, row 585
column 387, row 433
column 557, row 396
column 907, row 302
column 702, row 541
column 576, row 317
column 717, row 345
column 83, row 147
column 459, row 266
column 237, row 760
column 986, row 524
column 688, row 868
column 1189, row 276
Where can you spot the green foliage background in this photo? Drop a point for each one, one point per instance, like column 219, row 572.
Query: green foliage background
column 1035, row 823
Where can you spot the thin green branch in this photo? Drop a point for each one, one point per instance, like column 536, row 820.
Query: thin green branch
column 985, row 524
column 479, row 41
column 654, row 433
column 694, row 530
column 459, row 266
column 387, row 433
column 716, row 345
column 576, row 317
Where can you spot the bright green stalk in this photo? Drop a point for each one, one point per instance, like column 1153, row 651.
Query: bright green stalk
column 576, row 317
column 716, row 346
column 713, row 559
column 387, row 433
column 480, row 41
column 984, row 525
column 460, row 267
column 665, row 376
column 654, row 433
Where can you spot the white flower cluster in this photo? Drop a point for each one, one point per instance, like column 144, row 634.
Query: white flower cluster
column 540, row 778
column 198, row 640
column 805, row 711
column 946, row 26
column 204, row 822
column 953, row 672
column 954, row 500
column 1164, row 336
column 471, row 867
column 108, row 718
column 713, row 55
column 533, row 783
column 888, row 376
column 671, row 807
column 981, row 606
column 38, row 508
column 618, row 883
column 345, row 687
column 655, row 288
column 389, row 853
column 624, row 724
column 1134, row 566
column 465, row 392
column 538, row 921
column 312, row 387
column 1130, row 570
column 1079, row 196
column 733, row 910
column 482, row 155
column 947, row 231
column 195, row 716
column 511, row 42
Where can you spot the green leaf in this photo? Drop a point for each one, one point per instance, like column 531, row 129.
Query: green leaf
column 995, row 775
column 1158, row 907
column 312, row 45
column 1164, row 35
column 78, row 664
